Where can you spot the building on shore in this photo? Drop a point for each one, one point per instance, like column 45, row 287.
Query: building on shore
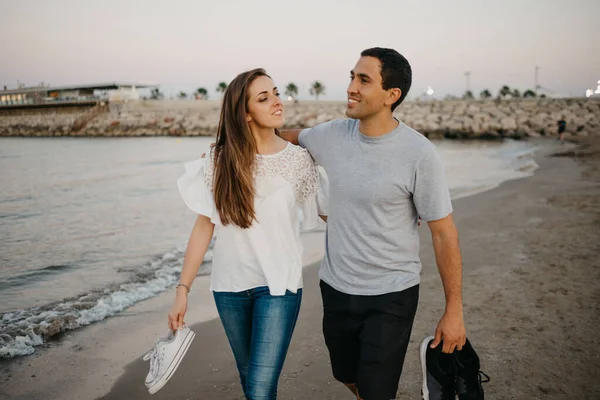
column 45, row 96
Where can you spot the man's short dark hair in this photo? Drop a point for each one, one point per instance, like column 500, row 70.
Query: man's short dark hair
column 395, row 70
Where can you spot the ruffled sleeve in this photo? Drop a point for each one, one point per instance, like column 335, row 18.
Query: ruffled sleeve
column 194, row 188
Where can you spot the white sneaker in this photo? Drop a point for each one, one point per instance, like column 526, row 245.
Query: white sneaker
column 166, row 356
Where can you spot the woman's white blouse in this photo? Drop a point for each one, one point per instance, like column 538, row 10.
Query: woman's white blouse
column 269, row 253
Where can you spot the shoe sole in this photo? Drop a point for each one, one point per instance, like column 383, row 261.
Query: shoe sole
column 159, row 384
column 422, row 356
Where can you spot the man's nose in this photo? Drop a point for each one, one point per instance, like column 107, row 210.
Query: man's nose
column 351, row 87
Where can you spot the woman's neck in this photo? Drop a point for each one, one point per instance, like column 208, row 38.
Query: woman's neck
column 267, row 142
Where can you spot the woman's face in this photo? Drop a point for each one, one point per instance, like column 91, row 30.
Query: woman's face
column 265, row 108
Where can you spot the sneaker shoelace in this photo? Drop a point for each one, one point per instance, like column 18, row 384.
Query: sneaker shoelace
column 155, row 361
column 480, row 381
column 154, row 357
column 473, row 385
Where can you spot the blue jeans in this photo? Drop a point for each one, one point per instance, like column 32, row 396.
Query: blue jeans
column 259, row 328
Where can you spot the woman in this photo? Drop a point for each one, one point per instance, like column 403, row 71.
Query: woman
column 248, row 187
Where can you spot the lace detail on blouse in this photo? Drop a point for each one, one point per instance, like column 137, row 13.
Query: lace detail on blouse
column 293, row 164
column 209, row 168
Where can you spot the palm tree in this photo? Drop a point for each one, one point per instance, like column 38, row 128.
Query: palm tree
column 182, row 95
column 504, row 91
column 221, row 87
column 529, row 93
column 485, row 94
column 468, row 95
column 516, row 94
column 291, row 90
column 156, row 94
column 201, row 93
column 317, row 89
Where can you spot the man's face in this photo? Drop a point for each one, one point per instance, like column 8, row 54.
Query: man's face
column 366, row 96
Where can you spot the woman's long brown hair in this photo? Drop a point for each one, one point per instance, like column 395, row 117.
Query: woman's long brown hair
column 235, row 155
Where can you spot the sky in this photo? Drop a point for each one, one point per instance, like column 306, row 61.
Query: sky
column 186, row 44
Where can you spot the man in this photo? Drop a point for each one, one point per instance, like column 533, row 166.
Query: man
column 383, row 176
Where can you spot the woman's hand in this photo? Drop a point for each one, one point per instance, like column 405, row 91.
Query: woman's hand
column 178, row 309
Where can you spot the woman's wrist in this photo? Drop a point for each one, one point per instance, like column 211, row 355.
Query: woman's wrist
column 182, row 288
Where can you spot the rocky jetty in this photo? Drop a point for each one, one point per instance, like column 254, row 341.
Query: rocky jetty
column 462, row 119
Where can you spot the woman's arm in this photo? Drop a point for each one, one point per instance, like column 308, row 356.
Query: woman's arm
column 200, row 237
column 198, row 243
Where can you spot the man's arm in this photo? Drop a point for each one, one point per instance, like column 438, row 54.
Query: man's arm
column 291, row 135
column 449, row 261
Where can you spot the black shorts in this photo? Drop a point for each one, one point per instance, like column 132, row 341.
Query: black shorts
column 367, row 338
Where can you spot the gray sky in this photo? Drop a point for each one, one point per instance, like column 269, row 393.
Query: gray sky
column 191, row 43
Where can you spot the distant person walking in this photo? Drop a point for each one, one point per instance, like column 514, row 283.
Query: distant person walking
column 562, row 125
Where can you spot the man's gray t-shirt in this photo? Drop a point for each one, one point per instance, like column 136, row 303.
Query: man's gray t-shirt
column 378, row 187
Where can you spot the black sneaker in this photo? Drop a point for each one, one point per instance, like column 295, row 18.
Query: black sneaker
column 468, row 376
column 439, row 372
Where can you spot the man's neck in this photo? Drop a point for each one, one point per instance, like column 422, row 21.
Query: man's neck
column 378, row 125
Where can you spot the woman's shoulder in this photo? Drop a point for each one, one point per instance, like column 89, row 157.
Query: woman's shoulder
column 299, row 154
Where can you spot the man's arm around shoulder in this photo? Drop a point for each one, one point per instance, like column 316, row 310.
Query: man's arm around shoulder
column 291, row 135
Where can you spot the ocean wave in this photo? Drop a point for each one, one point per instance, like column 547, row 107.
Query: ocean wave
column 16, row 199
column 34, row 276
column 530, row 166
column 23, row 330
column 513, row 160
column 20, row 215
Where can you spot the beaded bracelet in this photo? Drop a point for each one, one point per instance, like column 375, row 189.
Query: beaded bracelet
column 185, row 286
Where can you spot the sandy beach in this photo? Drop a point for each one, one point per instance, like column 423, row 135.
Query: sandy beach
column 531, row 299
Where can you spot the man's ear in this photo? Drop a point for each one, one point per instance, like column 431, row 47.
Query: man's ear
column 394, row 95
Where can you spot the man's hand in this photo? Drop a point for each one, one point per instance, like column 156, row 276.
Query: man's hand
column 451, row 329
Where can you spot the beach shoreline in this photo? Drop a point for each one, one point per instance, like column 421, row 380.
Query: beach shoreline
column 103, row 349
column 529, row 250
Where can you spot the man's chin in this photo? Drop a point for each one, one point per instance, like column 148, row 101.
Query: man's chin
column 351, row 113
